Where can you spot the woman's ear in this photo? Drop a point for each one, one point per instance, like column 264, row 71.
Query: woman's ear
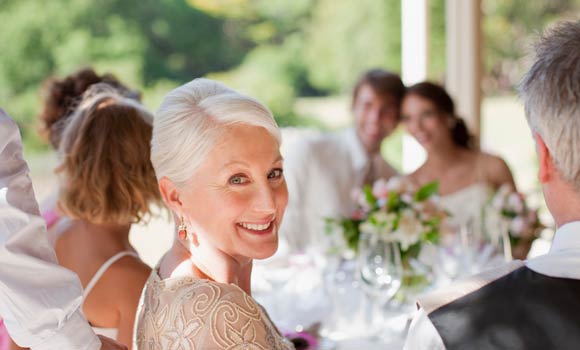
column 170, row 194
column 546, row 163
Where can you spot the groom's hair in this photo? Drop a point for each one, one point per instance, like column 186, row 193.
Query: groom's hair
column 551, row 94
column 383, row 83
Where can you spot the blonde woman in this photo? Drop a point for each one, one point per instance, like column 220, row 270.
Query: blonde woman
column 217, row 159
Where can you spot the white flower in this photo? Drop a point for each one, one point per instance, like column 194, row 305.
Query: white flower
column 515, row 202
column 407, row 198
column 518, row 226
column 498, row 202
column 395, row 184
column 369, row 228
column 409, row 230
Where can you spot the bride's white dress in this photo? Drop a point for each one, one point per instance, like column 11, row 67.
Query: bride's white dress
column 467, row 205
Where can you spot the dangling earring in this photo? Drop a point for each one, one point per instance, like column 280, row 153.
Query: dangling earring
column 182, row 229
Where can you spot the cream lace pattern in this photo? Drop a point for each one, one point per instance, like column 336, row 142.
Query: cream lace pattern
column 187, row 313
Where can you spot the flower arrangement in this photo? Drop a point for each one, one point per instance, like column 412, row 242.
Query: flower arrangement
column 397, row 210
column 510, row 209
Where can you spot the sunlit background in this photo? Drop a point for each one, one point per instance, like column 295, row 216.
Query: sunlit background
column 299, row 57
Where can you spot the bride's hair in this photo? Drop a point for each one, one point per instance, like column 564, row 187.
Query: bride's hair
column 106, row 174
column 444, row 103
column 191, row 120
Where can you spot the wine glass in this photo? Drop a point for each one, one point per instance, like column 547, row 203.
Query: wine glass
column 380, row 272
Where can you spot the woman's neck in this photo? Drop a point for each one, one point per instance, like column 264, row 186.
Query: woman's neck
column 444, row 157
column 115, row 236
column 207, row 263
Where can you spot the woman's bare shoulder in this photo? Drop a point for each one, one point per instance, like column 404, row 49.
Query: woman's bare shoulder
column 496, row 169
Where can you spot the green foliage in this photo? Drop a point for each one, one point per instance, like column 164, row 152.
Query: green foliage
column 427, row 191
column 142, row 42
column 276, row 50
column 345, row 38
column 509, row 27
column 436, row 64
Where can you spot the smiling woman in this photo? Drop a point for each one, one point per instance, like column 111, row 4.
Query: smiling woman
column 217, row 159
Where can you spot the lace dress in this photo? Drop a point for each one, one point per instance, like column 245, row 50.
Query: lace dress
column 187, row 313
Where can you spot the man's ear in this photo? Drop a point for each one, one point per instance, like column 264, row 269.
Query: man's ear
column 547, row 169
column 170, row 194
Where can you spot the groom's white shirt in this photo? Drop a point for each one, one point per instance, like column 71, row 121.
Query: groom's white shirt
column 563, row 261
column 40, row 301
column 321, row 172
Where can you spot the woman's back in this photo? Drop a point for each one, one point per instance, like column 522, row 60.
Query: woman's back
column 201, row 314
column 107, row 183
column 101, row 254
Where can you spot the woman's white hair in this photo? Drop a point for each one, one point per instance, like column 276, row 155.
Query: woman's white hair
column 190, row 121
column 551, row 93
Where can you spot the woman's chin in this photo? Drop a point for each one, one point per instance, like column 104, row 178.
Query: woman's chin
column 265, row 251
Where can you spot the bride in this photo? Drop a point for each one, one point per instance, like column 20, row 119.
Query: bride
column 467, row 176
column 217, row 160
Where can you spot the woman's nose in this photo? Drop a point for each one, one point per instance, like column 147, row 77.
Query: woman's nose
column 265, row 199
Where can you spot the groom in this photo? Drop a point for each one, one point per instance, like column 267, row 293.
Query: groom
column 533, row 304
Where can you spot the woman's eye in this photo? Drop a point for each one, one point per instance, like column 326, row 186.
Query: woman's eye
column 238, row 180
column 428, row 114
column 275, row 174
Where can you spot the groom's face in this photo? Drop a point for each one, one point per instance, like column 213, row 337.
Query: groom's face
column 376, row 116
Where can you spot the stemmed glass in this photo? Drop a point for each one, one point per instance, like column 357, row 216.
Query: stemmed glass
column 380, row 272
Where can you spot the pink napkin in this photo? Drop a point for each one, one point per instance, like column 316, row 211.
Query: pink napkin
column 4, row 337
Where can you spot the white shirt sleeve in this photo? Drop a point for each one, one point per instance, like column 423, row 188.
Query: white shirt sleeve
column 295, row 228
column 422, row 334
column 39, row 300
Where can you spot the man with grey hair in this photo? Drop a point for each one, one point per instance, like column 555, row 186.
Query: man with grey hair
column 533, row 304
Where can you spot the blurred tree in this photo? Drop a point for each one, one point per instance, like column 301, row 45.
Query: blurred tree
column 437, row 51
column 509, row 28
column 143, row 42
column 345, row 38
column 276, row 50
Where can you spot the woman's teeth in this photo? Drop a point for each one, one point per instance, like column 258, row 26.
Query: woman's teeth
column 255, row 227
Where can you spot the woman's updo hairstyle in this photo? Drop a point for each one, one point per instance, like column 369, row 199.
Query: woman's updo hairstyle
column 444, row 103
column 61, row 96
column 105, row 169
column 192, row 119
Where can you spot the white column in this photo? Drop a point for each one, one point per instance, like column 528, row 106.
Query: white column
column 463, row 44
column 414, row 41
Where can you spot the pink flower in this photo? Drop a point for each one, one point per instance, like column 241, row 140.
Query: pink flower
column 359, row 198
column 381, row 189
column 358, row 214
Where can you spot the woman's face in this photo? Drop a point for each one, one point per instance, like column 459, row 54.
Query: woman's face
column 424, row 122
column 236, row 199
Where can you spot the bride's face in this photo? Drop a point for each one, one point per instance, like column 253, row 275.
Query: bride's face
column 236, row 199
column 424, row 122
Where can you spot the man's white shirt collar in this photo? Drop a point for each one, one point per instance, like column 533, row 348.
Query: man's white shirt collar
column 360, row 157
column 563, row 260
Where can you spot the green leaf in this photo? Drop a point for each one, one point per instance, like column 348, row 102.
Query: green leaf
column 393, row 202
column 427, row 191
column 370, row 198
